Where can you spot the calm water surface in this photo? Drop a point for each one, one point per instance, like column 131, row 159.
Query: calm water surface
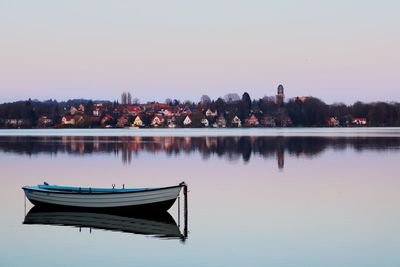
column 297, row 200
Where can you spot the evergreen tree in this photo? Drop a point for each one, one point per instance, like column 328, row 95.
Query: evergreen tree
column 245, row 106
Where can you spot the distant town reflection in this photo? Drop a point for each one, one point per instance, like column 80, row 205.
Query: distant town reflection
column 230, row 148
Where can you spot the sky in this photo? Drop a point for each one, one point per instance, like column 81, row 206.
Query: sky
column 339, row 51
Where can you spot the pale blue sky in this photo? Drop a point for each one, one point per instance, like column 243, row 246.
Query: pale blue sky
column 335, row 50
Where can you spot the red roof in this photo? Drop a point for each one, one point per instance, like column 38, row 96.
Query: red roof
column 134, row 108
column 252, row 118
column 159, row 116
column 157, row 105
column 107, row 116
column 68, row 117
column 359, row 119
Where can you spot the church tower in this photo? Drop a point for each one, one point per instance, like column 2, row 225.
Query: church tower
column 280, row 96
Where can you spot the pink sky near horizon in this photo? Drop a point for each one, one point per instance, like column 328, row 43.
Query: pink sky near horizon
column 342, row 51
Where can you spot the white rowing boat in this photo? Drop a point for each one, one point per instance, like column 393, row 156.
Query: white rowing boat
column 161, row 198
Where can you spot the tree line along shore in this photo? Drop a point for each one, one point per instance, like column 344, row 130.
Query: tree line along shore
column 225, row 112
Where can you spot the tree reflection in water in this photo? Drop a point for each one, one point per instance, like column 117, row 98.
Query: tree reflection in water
column 230, row 148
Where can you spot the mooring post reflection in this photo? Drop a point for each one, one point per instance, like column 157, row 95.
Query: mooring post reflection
column 185, row 194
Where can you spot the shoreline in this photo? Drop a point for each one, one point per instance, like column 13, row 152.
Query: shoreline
column 202, row 132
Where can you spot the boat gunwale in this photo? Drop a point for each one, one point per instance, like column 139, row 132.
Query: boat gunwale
column 87, row 192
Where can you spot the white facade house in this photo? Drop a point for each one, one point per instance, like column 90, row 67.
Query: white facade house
column 210, row 113
column 157, row 121
column 359, row 121
column 171, row 124
column 137, row 122
column 68, row 120
column 236, row 121
column 187, row 121
column 167, row 112
column 73, row 110
column 81, row 108
column 205, row 122
column 15, row 122
column 221, row 122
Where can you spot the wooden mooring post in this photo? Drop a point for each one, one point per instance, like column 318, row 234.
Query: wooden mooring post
column 185, row 212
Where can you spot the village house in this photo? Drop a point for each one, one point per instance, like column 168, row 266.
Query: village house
column 268, row 121
column 286, row 121
column 79, row 120
column 16, row 122
column 107, row 120
column 81, row 109
column 333, row 122
column 186, row 111
column 68, row 120
column 132, row 110
column 210, row 113
column 220, row 123
column 73, row 110
column 138, row 122
column 97, row 109
column 171, row 123
column 96, row 112
column 236, row 122
column 91, row 121
column 359, row 121
column 44, row 121
column 157, row 121
column 252, row 121
column 122, row 121
column 187, row 121
column 205, row 122
column 167, row 112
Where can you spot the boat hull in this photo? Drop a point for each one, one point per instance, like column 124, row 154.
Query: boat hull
column 153, row 199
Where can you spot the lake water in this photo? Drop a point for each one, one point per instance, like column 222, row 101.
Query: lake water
column 302, row 197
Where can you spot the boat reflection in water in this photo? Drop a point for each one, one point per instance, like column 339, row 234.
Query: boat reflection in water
column 160, row 225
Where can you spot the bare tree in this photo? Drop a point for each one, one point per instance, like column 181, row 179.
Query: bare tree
column 205, row 99
column 129, row 98
column 124, row 98
column 231, row 97
column 135, row 101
